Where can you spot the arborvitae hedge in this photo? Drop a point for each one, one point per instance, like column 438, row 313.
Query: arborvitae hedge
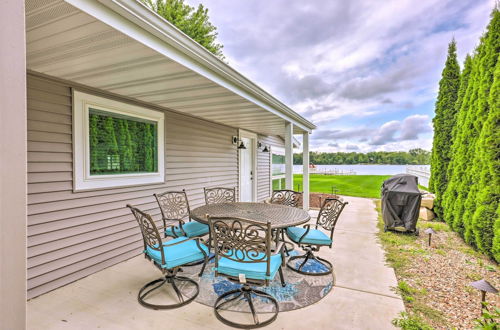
column 120, row 145
column 444, row 121
column 454, row 171
column 470, row 203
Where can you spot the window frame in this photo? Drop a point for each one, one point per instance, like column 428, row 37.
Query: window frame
column 82, row 179
column 278, row 150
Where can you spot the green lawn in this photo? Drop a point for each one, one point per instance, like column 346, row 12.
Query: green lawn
column 348, row 185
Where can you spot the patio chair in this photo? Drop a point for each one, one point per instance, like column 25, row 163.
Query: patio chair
column 312, row 239
column 174, row 207
column 290, row 198
column 243, row 254
column 168, row 257
column 219, row 195
column 286, row 197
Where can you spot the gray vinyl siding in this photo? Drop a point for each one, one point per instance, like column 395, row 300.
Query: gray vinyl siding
column 72, row 235
column 264, row 166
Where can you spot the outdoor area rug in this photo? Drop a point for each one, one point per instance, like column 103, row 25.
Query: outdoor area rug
column 300, row 291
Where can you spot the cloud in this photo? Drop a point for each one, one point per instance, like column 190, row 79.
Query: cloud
column 386, row 133
column 351, row 147
column 413, row 126
column 344, row 64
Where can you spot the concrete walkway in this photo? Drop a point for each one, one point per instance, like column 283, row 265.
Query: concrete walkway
column 362, row 297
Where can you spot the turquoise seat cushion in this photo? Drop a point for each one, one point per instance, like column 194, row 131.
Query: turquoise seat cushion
column 177, row 255
column 314, row 236
column 191, row 228
column 255, row 270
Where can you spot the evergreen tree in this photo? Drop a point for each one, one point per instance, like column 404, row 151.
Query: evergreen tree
column 109, row 144
column 94, row 144
column 194, row 23
column 444, row 121
column 480, row 162
column 488, row 150
column 454, row 171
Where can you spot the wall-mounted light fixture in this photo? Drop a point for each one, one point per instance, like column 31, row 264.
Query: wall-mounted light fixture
column 260, row 145
column 238, row 142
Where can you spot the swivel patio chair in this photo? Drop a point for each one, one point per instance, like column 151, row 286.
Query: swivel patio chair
column 289, row 198
column 174, row 207
column 243, row 254
column 168, row 257
column 286, row 197
column 311, row 240
column 219, row 195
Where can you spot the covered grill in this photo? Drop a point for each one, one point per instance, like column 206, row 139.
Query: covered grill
column 401, row 203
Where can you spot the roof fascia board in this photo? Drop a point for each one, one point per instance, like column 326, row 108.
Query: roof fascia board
column 136, row 21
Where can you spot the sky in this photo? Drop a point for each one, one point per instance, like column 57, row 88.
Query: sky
column 365, row 72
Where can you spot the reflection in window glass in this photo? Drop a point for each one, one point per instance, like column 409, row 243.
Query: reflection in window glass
column 121, row 144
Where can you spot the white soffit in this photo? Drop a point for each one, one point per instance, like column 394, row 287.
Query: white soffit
column 65, row 42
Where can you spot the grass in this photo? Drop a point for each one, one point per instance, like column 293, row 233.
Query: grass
column 400, row 249
column 348, row 185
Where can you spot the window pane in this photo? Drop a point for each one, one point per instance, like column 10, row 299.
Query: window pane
column 121, row 144
column 278, row 184
column 278, row 164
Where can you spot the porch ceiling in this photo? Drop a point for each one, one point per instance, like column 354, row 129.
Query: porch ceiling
column 68, row 43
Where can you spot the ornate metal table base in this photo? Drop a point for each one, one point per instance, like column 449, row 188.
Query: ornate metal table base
column 307, row 256
column 169, row 279
column 246, row 291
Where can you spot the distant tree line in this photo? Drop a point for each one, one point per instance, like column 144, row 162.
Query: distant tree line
column 414, row 156
column 465, row 169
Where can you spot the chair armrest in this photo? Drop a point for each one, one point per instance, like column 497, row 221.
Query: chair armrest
column 308, row 227
column 198, row 240
column 179, row 224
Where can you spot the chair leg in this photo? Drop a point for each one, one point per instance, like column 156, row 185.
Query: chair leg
column 170, row 279
column 246, row 291
column 282, row 278
column 307, row 256
column 287, row 250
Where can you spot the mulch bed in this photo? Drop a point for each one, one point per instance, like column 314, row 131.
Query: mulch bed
column 444, row 271
column 316, row 199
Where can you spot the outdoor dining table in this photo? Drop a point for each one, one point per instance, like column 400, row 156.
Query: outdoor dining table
column 280, row 216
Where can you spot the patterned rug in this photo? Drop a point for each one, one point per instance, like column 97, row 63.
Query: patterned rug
column 300, row 290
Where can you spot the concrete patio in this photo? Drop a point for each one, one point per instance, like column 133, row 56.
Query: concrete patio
column 362, row 298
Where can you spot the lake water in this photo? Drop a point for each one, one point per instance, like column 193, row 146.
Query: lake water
column 359, row 169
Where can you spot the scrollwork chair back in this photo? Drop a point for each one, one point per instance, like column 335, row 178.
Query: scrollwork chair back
column 174, row 205
column 219, row 195
column 150, row 234
column 329, row 214
column 286, row 197
column 241, row 240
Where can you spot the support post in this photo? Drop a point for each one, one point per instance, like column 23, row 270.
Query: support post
column 13, row 165
column 305, row 170
column 289, row 156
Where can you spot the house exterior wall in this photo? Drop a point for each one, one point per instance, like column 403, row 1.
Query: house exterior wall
column 12, row 166
column 71, row 235
column 264, row 187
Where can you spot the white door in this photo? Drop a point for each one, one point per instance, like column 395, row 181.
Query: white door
column 247, row 175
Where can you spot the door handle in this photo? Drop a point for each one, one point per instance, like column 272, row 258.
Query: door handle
column 251, row 175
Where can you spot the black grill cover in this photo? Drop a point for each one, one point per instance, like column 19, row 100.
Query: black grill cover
column 401, row 202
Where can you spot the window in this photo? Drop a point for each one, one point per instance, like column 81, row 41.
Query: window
column 278, row 168
column 115, row 144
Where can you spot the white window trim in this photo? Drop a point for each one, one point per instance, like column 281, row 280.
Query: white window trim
column 82, row 180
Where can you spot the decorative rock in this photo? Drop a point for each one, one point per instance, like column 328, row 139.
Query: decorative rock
column 427, row 202
column 426, row 214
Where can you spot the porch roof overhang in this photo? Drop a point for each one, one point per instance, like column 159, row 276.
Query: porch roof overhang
column 121, row 47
